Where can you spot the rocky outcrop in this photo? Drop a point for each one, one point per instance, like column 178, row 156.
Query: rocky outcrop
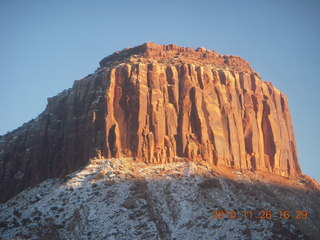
column 156, row 103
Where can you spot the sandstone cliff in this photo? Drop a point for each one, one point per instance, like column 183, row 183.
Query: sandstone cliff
column 158, row 104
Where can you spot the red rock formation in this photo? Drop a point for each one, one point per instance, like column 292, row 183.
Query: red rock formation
column 156, row 103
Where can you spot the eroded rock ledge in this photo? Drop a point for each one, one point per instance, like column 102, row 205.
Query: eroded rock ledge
column 173, row 54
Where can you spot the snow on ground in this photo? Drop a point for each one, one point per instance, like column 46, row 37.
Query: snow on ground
column 123, row 199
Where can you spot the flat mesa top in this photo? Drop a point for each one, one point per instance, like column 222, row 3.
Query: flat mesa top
column 173, row 54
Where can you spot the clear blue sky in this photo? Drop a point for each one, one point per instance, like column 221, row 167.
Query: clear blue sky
column 46, row 45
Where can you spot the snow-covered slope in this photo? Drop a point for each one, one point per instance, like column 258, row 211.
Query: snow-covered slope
column 122, row 199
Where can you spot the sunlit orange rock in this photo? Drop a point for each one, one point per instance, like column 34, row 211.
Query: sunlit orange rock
column 156, row 103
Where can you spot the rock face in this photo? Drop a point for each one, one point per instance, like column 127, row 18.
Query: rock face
column 156, row 103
